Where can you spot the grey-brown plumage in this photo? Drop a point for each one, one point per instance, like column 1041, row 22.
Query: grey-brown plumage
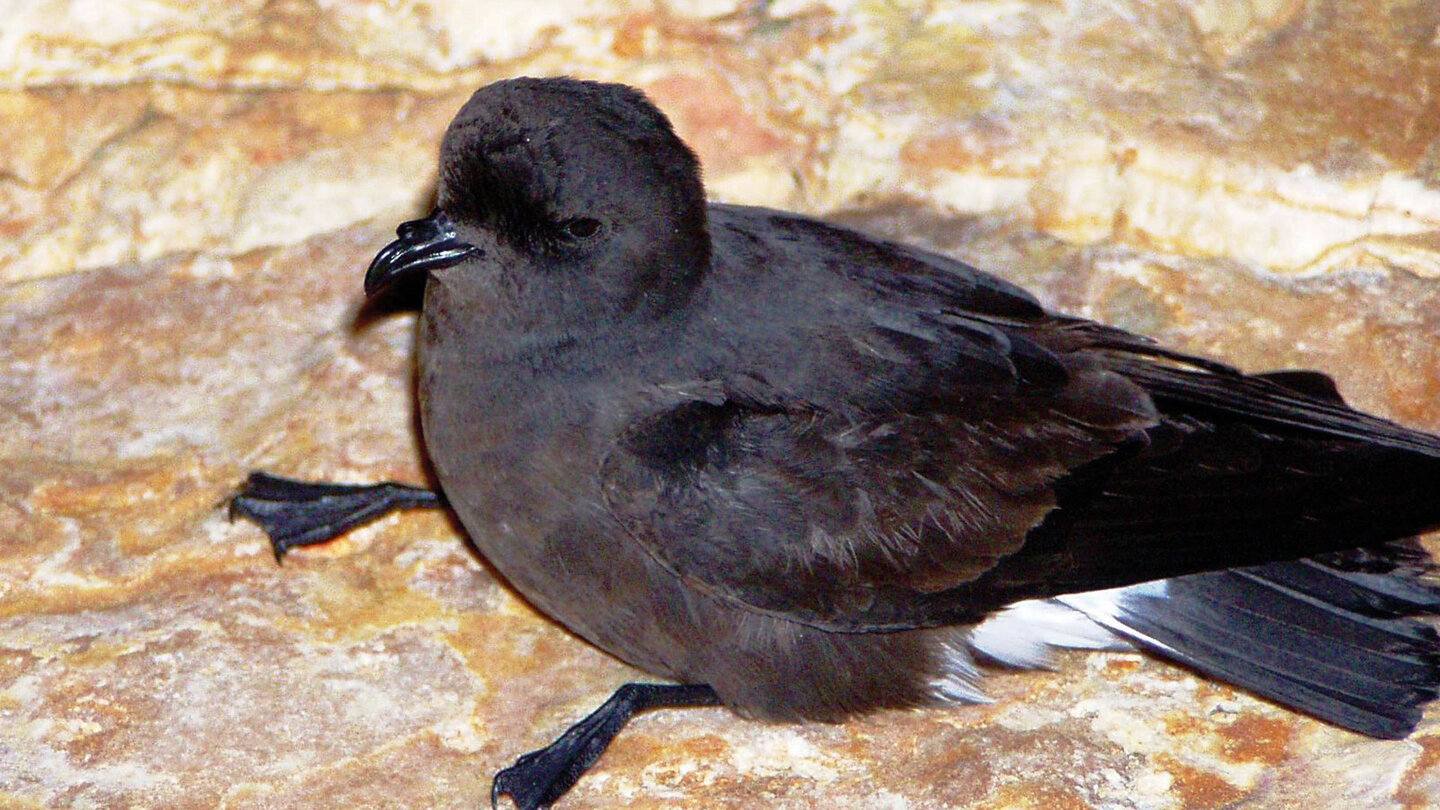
column 749, row 450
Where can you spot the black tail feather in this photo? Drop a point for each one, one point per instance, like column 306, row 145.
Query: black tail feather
column 1347, row 646
column 1373, row 594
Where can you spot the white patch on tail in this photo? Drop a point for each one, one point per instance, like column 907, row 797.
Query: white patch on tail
column 959, row 679
column 1107, row 607
column 1023, row 634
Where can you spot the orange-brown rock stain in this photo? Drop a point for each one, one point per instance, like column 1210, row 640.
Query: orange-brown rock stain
column 1252, row 738
column 1198, row 789
column 1034, row 796
column 1417, row 789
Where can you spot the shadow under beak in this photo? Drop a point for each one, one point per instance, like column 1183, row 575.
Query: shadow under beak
column 423, row 245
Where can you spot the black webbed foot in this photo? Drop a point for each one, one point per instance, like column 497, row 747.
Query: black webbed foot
column 540, row 777
column 299, row 513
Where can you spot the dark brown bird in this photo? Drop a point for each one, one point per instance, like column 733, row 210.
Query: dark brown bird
column 807, row 473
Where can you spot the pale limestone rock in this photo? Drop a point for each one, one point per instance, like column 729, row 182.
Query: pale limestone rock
column 189, row 193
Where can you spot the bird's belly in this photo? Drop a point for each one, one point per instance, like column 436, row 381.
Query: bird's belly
column 528, row 495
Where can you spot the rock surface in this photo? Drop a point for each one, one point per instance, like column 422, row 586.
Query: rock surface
column 189, row 194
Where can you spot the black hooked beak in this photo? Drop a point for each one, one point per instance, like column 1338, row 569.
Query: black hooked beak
column 424, row 245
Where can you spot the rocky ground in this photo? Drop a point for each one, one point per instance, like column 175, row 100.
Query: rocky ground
column 189, row 194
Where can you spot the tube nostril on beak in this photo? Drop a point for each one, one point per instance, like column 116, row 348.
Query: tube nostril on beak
column 422, row 245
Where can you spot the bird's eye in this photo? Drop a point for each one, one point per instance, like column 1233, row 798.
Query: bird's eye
column 580, row 227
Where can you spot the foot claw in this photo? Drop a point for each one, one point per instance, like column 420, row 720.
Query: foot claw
column 298, row 513
column 539, row 778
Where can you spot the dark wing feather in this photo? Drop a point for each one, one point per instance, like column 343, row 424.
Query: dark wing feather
column 1281, row 402
column 1242, row 470
column 945, row 447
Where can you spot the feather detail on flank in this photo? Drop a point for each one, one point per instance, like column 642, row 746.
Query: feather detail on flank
column 959, row 678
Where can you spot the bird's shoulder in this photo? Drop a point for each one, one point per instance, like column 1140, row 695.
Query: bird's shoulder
column 839, row 317
column 804, row 252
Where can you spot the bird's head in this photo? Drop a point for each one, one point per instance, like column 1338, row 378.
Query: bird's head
column 567, row 197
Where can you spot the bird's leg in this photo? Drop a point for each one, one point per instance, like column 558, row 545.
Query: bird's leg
column 540, row 777
column 299, row 513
